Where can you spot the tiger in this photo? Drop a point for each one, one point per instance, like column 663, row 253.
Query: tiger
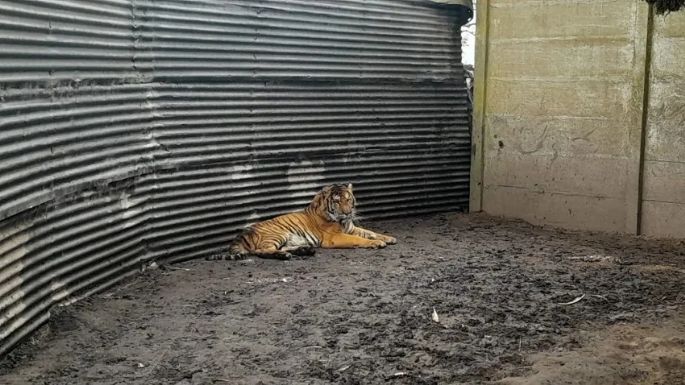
column 328, row 222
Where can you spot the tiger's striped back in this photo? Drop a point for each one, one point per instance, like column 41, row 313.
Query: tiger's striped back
column 293, row 232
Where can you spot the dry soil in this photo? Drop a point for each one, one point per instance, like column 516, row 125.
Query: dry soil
column 501, row 291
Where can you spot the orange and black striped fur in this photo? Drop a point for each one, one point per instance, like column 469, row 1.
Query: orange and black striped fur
column 327, row 222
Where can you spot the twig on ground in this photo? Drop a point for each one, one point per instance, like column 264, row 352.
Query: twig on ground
column 592, row 258
column 397, row 375
column 435, row 316
column 576, row 300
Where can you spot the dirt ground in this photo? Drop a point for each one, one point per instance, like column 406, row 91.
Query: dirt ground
column 500, row 290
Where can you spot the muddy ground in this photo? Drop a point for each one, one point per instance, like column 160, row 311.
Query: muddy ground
column 500, row 290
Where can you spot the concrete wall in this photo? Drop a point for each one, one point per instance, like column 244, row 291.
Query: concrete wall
column 565, row 119
column 663, row 209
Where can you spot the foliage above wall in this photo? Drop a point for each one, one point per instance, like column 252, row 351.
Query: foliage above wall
column 666, row 6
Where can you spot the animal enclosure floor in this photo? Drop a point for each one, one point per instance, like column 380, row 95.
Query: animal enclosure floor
column 515, row 304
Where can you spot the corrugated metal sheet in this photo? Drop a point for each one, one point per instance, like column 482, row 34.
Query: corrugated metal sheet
column 140, row 130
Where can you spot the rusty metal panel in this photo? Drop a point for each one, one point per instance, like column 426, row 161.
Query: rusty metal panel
column 134, row 131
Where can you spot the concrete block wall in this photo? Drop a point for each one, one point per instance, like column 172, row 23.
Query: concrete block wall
column 568, row 130
column 663, row 204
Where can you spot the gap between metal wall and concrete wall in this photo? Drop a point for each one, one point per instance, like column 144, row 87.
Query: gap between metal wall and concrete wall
column 636, row 227
column 479, row 105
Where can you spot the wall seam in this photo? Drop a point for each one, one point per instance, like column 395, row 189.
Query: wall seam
column 480, row 97
column 645, row 115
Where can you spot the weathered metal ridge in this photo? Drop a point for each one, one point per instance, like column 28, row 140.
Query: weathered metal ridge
column 140, row 130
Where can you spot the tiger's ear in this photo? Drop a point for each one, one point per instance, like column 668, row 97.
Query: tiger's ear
column 349, row 186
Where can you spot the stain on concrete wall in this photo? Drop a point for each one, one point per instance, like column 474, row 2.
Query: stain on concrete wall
column 663, row 205
column 569, row 131
column 560, row 105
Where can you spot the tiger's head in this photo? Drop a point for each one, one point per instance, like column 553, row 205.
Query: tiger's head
column 335, row 203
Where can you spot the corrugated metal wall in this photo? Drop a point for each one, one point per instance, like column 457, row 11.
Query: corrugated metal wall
column 139, row 130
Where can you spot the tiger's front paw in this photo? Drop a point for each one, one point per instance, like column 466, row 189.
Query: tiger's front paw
column 286, row 256
column 390, row 240
column 377, row 244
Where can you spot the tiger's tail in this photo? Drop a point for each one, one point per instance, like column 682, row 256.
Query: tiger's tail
column 283, row 255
